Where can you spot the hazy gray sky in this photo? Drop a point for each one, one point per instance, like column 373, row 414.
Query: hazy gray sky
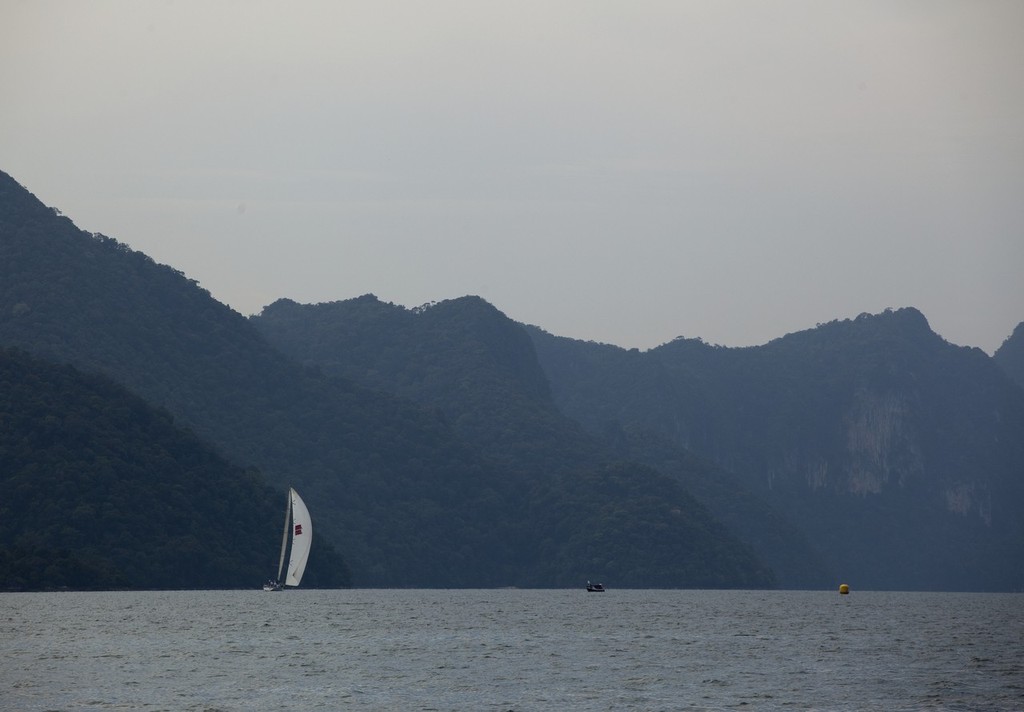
column 618, row 171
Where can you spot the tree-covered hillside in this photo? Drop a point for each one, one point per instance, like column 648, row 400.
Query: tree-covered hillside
column 461, row 357
column 381, row 476
column 406, row 499
column 479, row 368
column 900, row 456
column 445, row 446
column 100, row 490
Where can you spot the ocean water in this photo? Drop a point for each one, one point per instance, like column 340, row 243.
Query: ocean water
column 511, row 650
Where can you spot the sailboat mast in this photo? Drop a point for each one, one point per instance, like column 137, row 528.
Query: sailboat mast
column 284, row 534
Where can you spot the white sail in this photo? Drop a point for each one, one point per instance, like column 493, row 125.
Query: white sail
column 302, row 537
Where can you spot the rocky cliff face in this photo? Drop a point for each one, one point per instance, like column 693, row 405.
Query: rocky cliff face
column 881, row 450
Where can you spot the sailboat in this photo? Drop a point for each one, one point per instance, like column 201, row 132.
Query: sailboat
column 301, row 538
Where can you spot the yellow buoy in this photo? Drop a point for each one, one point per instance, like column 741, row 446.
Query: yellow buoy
column 844, row 589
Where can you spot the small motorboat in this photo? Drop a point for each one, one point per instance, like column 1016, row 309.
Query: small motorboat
column 595, row 587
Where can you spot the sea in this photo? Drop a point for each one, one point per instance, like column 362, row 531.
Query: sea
column 511, row 649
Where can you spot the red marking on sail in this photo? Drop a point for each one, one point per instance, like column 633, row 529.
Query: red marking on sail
column 298, row 530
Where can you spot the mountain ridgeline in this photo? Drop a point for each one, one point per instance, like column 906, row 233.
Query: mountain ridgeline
column 450, row 446
column 404, row 495
column 466, row 359
column 899, row 455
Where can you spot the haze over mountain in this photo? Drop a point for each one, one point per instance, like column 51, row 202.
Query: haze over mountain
column 479, row 367
column 450, row 446
column 621, row 172
column 406, row 500
column 899, row 455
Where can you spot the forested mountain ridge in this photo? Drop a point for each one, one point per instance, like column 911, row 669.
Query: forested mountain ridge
column 466, row 358
column 88, row 300
column 460, row 356
column 494, row 459
column 405, row 499
column 99, row 490
column 899, row 455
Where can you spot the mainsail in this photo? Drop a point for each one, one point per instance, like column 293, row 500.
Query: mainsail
column 301, row 526
column 302, row 537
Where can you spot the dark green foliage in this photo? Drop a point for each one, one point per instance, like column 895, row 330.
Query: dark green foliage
column 575, row 516
column 373, row 469
column 393, row 485
column 628, row 523
column 36, row 568
column 99, row 490
column 462, row 358
column 899, row 456
column 773, row 538
column 868, row 449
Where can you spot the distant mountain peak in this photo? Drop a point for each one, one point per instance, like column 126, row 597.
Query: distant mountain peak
column 906, row 317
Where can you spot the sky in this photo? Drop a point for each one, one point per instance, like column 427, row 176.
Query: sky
column 622, row 172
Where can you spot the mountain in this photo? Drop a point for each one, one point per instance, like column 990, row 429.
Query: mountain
column 462, row 357
column 479, row 368
column 396, row 486
column 898, row 455
column 467, row 360
column 376, row 472
column 100, row 490
column 449, row 446
column 1010, row 356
